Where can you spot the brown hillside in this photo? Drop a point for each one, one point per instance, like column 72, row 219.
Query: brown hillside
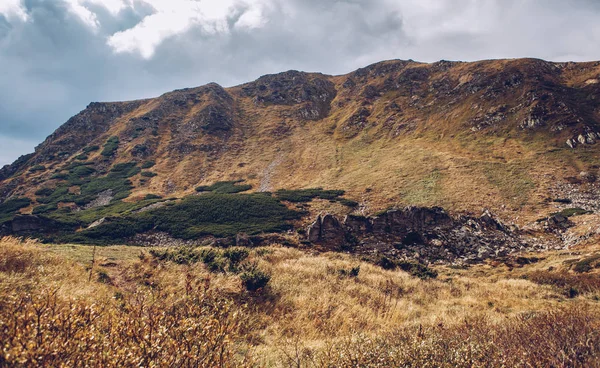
column 496, row 134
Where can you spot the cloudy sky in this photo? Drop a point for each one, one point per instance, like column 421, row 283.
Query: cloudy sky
column 58, row 55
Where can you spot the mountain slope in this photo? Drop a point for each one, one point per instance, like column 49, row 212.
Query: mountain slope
column 495, row 134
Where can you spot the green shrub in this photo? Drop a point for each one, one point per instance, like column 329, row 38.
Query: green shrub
column 45, row 209
column 37, row 168
column 570, row 212
column 81, row 157
column 225, row 187
column 111, row 146
column 60, row 194
column 125, row 170
column 253, row 279
column 417, row 269
column 152, row 196
column 386, row 263
column 10, row 207
column 235, row 256
column 82, row 171
column 91, row 149
column 587, row 264
column 148, row 164
column 148, row 174
column 353, row 272
column 307, row 195
column 44, row 192
column 348, row 202
column 60, row 176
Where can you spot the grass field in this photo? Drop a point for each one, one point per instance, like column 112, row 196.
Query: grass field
column 116, row 306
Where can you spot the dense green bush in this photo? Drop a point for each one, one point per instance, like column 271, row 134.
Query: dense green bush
column 37, row 168
column 44, row 192
column 417, row 269
column 81, row 170
column 60, row 194
column 60, row 176
column 10, row 207
column 569, row 212
column 46, row 208
column 148, row 174
column 81, row 157
column 148, row 164
column 253, row 279
column 307, row 195
column 125, row 170
column 220, row 215
column 110, row 147
column 348, row 202
column 152, row 196
column 235, row 256
column 91, row 149
column 225, row 187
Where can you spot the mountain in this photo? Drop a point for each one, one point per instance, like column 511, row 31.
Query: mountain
column 516, row 137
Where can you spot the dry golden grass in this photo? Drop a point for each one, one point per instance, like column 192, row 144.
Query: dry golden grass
column 135, row 309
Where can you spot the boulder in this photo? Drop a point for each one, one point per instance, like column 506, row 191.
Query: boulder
column 27, row 223
column 327, row 231
column 358, row 225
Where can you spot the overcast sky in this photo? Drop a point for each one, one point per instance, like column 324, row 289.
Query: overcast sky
column 56, row 56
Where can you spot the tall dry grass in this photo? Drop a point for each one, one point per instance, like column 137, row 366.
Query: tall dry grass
column 183, row 324
column 328, row 310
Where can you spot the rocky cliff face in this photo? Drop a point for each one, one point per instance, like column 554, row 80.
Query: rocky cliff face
column 425, row 234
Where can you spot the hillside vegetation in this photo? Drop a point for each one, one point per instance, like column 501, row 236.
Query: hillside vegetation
column 124, row 306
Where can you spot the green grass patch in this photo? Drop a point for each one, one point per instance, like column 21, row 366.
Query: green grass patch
column 424, row 191
column 225, row 187
column 512, row 180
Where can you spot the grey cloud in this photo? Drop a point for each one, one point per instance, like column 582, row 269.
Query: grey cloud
column 54, row 65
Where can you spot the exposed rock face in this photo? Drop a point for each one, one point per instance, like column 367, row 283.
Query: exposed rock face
column 425, row 234
column 313, row 93
column 327, row 231
column 29, row 223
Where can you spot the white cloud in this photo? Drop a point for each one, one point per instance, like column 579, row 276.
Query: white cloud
column 77, row 8
column 172, row 17
column 11, row 8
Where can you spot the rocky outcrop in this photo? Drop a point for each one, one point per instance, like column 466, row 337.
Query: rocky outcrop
column 422, row 233
column 29, row 223
column 313, row 93
column 327, row 231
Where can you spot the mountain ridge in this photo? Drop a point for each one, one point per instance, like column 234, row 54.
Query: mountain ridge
column 397, row 132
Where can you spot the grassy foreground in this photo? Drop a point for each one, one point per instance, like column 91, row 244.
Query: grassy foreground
column 157, row 307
